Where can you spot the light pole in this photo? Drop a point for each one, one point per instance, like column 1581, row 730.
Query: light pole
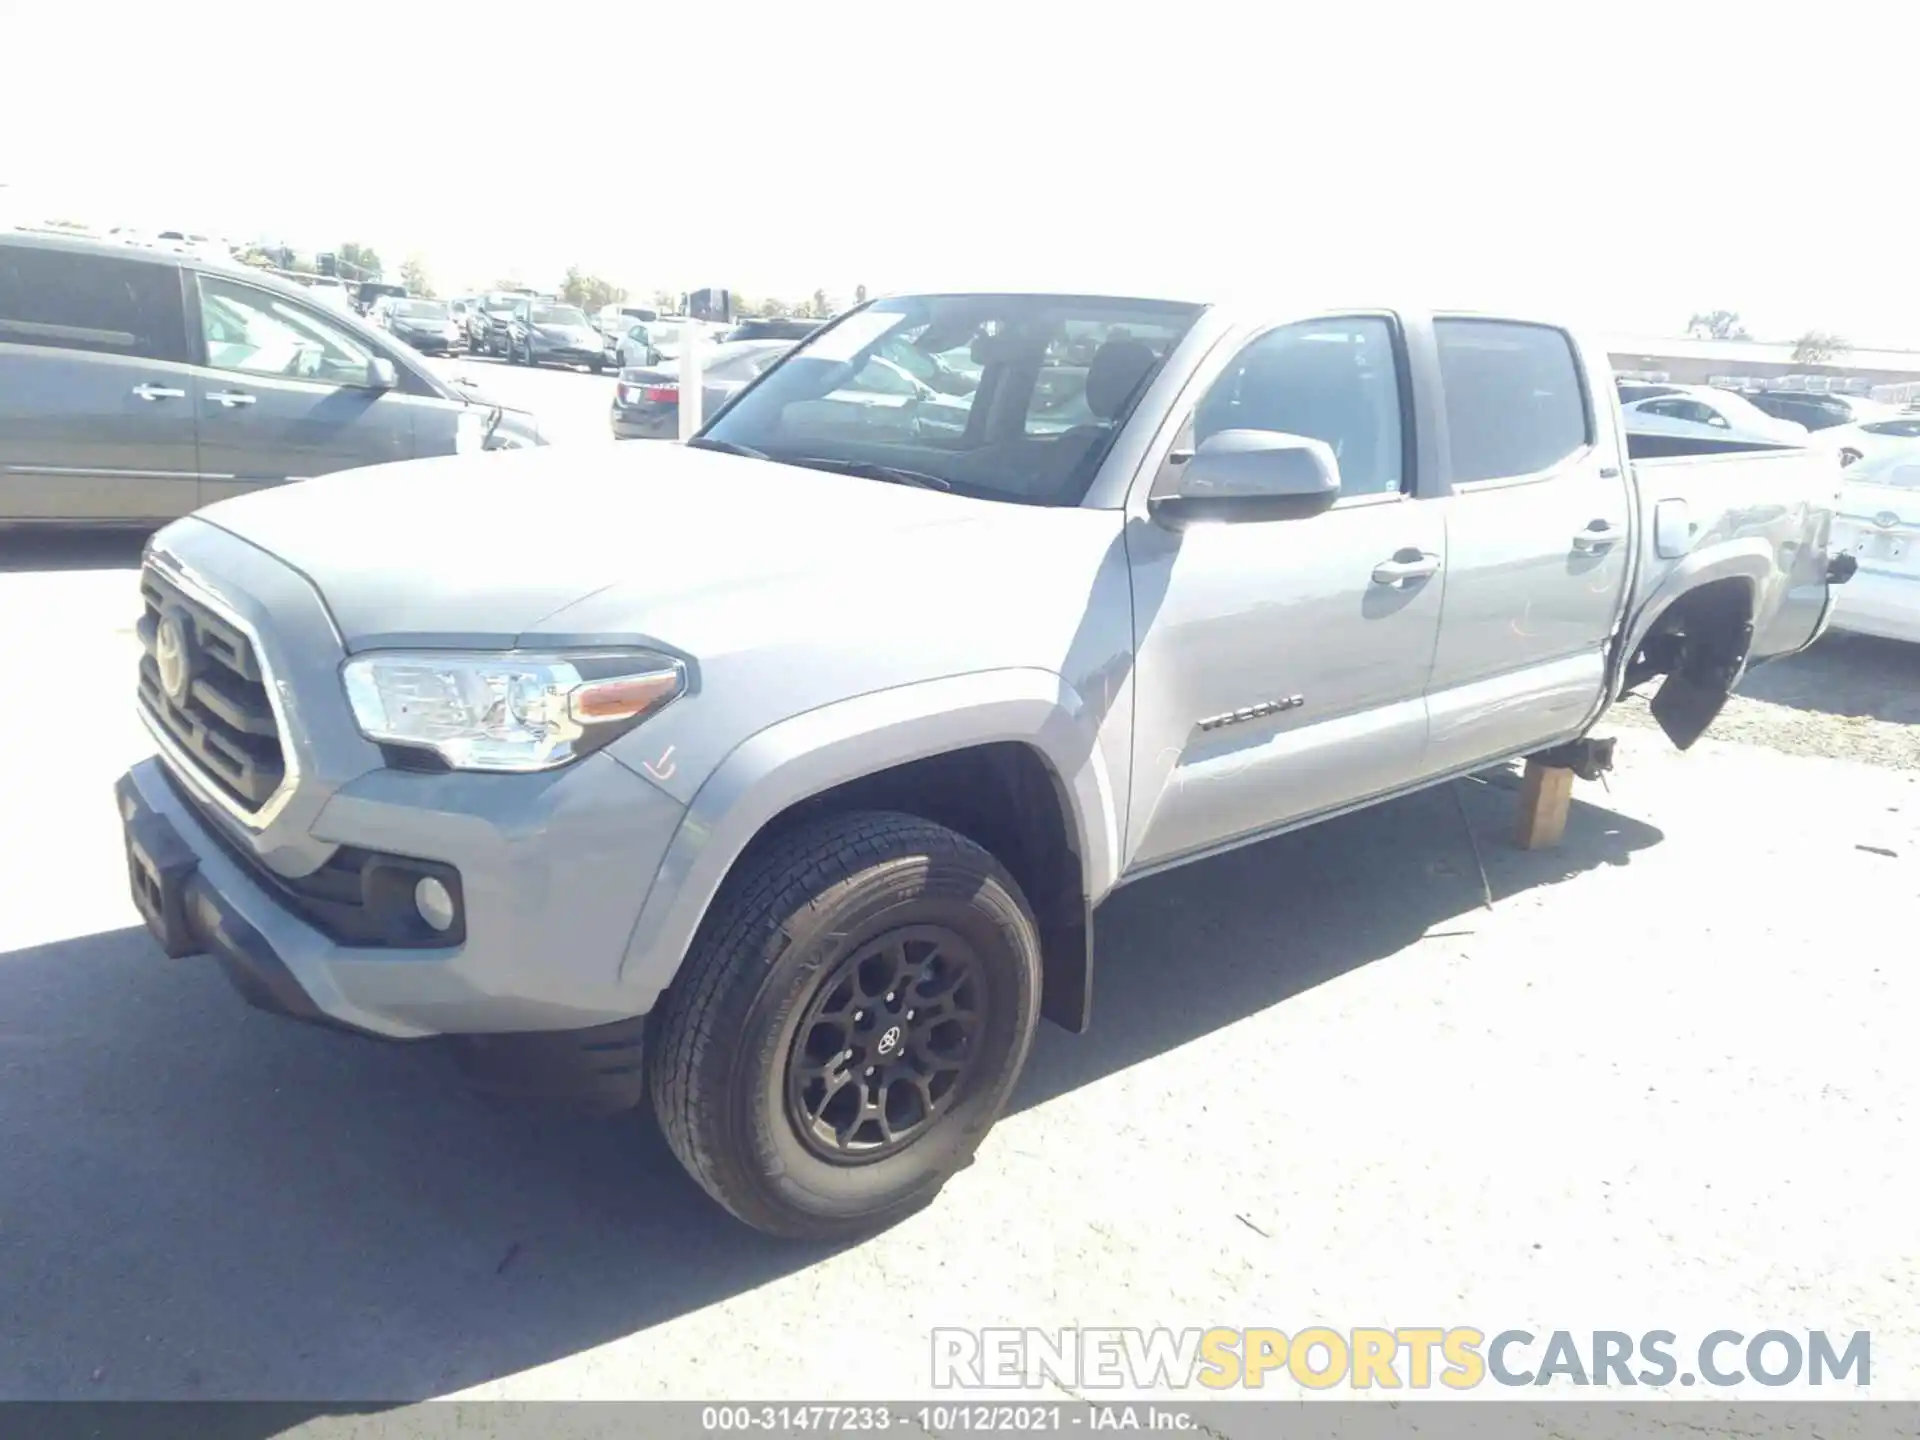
column 690, row 395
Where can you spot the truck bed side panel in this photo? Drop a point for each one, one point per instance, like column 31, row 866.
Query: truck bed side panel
column 1761, row 516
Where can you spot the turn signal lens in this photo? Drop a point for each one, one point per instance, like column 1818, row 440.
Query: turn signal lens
column 624, row 697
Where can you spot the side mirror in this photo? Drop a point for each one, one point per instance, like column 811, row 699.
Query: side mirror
column 381, row 375
column 1245, row 475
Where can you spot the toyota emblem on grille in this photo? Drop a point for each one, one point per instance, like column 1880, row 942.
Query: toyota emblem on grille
column 173, row 655
column 1886, row 519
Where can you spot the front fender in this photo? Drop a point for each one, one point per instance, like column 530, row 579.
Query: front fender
column 797, row 758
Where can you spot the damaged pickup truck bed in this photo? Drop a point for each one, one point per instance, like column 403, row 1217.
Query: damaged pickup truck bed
column 786, row 769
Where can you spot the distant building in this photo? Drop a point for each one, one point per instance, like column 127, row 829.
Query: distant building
column 1685, row 361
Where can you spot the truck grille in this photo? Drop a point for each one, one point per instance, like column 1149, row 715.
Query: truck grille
column 218, row 714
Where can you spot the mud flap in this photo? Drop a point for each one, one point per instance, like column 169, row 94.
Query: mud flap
column 1692, row 697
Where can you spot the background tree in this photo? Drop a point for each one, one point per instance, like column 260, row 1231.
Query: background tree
column 363, row 258
column 822, row 308
column 589, row 292
column 859, row 294
column 414, row 276
column 1717, row 325
column 1817, row 347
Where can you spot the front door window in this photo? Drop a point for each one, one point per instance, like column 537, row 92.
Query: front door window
column 255, row 332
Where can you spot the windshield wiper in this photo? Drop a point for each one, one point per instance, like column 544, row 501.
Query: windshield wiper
column 867, row 470
column 725, row 447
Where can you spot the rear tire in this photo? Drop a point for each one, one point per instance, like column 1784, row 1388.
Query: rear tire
column 848, row 1025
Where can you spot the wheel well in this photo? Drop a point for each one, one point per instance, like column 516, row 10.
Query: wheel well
column 1008, row 800
column 1700, row 643
column 1715, row 617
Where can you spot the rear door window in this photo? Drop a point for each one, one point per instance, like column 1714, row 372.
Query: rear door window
column 68, row 300
column 1515, row 404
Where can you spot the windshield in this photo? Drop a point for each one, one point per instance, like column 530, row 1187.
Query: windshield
column 1006, row 397
column 421, row 310
column 558, row 315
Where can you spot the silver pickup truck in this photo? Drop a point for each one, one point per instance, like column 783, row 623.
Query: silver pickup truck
column 778, row 775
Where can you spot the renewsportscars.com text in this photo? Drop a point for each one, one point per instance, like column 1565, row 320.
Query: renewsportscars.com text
column 1415, row 1358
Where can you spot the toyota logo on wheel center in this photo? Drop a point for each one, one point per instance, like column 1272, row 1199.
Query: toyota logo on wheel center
column 890, row 1041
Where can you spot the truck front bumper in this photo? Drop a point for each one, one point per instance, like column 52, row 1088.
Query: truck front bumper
column 528, row 995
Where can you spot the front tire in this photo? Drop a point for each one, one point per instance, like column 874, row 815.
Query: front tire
column 848, row 1025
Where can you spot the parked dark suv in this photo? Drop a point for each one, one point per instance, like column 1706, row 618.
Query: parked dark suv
column 771, row 327
column 137, row 385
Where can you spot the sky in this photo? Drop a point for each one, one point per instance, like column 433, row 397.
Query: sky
column 1607, row 163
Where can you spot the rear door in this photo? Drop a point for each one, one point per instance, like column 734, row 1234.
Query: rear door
column 96, row 397
column 1538, row 520
column 285, row 393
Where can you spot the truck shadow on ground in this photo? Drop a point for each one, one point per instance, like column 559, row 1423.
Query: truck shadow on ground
column 202, row 1202
column 1844, row 675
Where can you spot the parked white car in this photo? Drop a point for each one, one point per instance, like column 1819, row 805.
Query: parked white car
column 1878, row 523
column 663, row 338
column 1889, row 436
column 1703, row 412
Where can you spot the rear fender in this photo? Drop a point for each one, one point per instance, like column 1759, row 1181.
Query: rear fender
column 1719, row 594
column 808, row 754
column 1749, row 560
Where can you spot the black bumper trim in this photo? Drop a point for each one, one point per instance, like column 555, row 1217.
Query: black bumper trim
column 600, row 1068
column 187, row 916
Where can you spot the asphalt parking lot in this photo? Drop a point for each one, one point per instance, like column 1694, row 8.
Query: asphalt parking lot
column 1662, row 1081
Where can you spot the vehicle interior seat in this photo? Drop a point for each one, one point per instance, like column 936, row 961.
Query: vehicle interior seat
column 1114, row 377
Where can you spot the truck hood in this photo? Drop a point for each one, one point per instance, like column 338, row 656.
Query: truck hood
column 480, row 550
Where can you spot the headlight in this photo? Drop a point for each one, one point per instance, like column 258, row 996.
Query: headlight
column 509, row 711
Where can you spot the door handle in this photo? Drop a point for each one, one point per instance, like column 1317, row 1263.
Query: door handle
column 1597, row 536
column 159, row 392
column 230, row 398
column 1416, row 566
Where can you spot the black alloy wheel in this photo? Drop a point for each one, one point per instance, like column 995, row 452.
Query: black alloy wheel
column 886, row 1045
column 848, row 1024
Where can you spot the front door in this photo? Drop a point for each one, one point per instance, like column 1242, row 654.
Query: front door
column 96, row 397
column 285, row 394
column 1537, row 532
column 1281, row 666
